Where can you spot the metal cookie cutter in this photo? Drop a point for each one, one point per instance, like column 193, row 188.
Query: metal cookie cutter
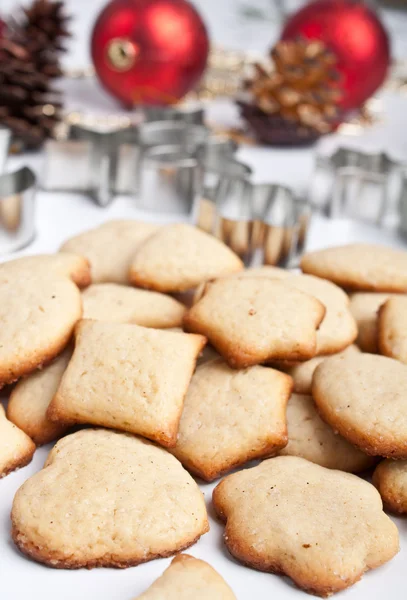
column 17, row 197
column 263, row 223
column 358, row 185
column 5, row 139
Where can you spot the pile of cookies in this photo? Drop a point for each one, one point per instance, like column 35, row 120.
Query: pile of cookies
column 190, row 365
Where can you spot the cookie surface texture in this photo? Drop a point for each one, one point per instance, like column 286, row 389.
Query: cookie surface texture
column 110, row 248
column 123, row 304
column 127, row 377
column 360, row 267
column 365, row 308
column 255, row 320
column 39, row 307
column 188, row 578
column 392, row 328
column 311, row 438
column 364, row 398
column 16, row 448
column 180, row 257
column 302, row 372
column 390, row 478
column 322, row 528
column 231, row 417
column 30, row 399
column 106, row 498
column 338, row 329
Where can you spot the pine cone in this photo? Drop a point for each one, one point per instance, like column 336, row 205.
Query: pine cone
column 41, row 30
column 28, row 106
column 296, row 101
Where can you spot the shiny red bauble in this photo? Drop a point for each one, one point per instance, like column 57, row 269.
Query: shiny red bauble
column 149, row 51
column 354, row 32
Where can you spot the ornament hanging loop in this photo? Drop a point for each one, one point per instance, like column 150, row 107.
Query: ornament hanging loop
column 121, row 54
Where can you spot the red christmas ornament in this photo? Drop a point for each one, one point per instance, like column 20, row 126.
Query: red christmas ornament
column 353, row 31
column 149, row 51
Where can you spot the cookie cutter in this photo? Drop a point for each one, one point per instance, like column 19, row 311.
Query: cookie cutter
column 358, row 185
column 17, row 203
column 262, row 223
column 187, row 114
column 5, row 140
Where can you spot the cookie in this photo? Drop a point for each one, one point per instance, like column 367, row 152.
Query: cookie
column 390, row 478
column 322, row 528
column 231, row 417
column 189, row 578
column 180, row 257
column 338, row 329
column 365, row 307
column 309, row 437
column 29, row 401
column 252, row 320
column 39, row 307
column 107, row 499
column 127, row 377
column 392, row 328
column 360, row 267
column 123, row 304
column 302, row 372
column 16, row 448
column 364, row 398
column 110, row 248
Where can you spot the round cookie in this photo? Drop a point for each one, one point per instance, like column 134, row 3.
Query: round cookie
column 309, row 437
column 39, row 307
column 390, row 478
column 366, row 267
column 107, row 499
column 364, row 398
column 252, row 320
column 188, row 578
column 110, row 248
column 364, row 306
column 16, row 448
column 179, row 257
column 320, row 527
column 122, row 304
column 338, row 329
column 392, row 328
column 302, row 372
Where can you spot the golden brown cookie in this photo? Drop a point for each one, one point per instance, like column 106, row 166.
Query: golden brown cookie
column 107, row 499
column 231, row 417
column 320, row 527
column 390, row 478
column 127, row 377
column 123, row 304
column 365, row 307
column 311, row 438
column 188, row 578
column 253, row 320
column 364, row 398
column 110, row 248
column 16, row 448
column 364, row 267
column 39, row 307
column 180, row 257
column 392, row 328
column 29, row 401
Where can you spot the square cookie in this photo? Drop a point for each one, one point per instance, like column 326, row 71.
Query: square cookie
column 127, row 377
column 252, row 320
column 231, row 417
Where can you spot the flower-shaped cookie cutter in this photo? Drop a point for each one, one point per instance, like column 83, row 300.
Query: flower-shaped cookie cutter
column 357, row 185
column 17, row 204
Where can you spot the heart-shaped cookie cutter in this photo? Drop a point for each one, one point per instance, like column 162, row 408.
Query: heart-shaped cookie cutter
column 17, row 204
